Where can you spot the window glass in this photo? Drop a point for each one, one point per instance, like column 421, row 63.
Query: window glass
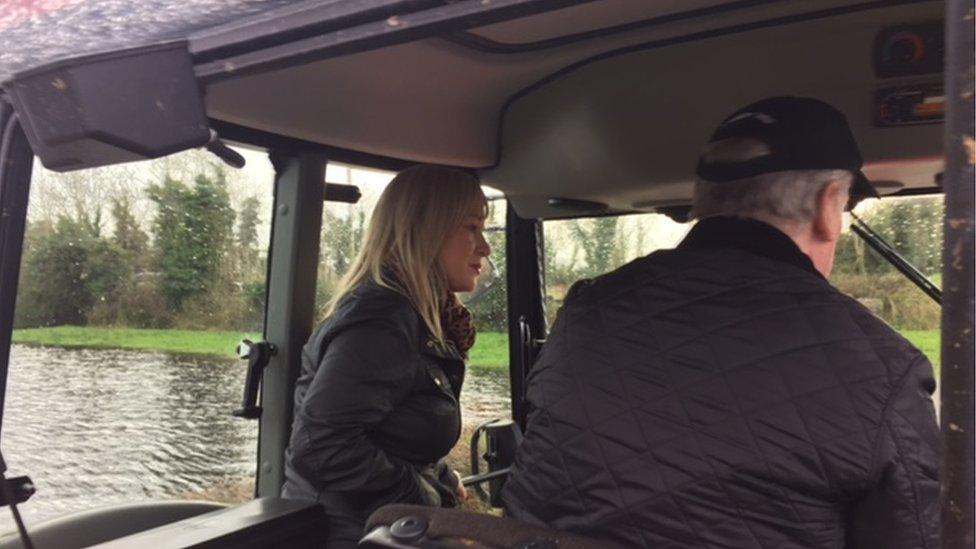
column 344, row 225
column 485, row 394
column 588, row 247
column 137, row 282
column 583, row 248
column 913, row 227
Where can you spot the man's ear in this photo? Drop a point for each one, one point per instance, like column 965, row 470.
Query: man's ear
column 828, row 219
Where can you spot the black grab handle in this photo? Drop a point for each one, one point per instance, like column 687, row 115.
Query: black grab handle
column 502, row 439
column 257, row 355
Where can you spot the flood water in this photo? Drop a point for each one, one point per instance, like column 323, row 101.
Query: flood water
column 100, row 427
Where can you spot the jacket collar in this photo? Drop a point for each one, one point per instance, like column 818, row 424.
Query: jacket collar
column 749, row 235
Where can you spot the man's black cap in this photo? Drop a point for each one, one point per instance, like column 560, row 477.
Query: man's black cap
column 791, row 133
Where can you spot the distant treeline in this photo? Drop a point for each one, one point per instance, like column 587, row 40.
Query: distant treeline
column 197, row 262
column 198, row 266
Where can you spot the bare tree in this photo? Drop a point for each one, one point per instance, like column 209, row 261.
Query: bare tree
column 85, row 196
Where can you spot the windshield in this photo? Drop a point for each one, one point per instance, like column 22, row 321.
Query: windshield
column 913, row 227
column 137, row 282
column 587, row 247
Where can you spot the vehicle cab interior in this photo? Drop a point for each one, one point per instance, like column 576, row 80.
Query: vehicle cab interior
column 570, row 109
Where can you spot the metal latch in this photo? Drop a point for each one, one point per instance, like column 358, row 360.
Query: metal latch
column 257, row 355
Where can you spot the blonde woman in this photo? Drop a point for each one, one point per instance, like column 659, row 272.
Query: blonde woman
column 376, row 405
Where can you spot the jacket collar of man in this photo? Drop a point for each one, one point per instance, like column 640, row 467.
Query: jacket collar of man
column 747, row 234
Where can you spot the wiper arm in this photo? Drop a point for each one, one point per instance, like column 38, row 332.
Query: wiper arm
column 892, row 256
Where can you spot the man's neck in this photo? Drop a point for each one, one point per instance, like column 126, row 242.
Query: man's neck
column 754, row 235
column 821, row 253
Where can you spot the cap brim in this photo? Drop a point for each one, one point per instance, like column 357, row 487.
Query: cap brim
column 861, row 188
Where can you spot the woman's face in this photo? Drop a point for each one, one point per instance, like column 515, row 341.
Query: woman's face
column 460, row 256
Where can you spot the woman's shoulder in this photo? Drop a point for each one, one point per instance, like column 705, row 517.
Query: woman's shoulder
column 368, row 312
column 370, row 304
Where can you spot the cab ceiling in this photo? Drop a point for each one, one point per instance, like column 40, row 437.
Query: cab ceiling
column 539, row 121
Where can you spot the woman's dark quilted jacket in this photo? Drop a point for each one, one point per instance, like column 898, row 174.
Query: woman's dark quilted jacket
column 723, row 394
column 376, row 407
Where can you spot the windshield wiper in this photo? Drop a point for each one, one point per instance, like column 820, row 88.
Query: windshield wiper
column 892, row 256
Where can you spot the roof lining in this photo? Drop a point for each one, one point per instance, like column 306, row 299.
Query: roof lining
column 272, row 140
column 375, row 35
column 275, row 142
column 702, row 35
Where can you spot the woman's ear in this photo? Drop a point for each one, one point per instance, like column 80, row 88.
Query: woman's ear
column 829, row 217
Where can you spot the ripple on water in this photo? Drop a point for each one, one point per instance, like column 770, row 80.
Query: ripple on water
column 101, row 427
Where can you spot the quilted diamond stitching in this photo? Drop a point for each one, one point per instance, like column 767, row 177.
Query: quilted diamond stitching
column 622, row 375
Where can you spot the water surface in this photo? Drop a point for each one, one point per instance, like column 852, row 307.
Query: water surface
column 102, row 427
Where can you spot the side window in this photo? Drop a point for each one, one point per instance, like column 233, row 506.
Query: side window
column 486, row 388
column 136, row 284
column 343, row 227
column 583, row 248
column 488, row 302
column 913, row 226
column 588, row 247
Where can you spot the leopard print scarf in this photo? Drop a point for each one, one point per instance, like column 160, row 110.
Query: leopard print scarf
column 457, row 323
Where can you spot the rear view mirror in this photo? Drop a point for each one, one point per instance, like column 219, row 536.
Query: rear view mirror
column 109, row 108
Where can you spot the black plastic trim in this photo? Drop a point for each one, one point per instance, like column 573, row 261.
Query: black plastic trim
column 16, row 166
column 486, row 45
column 577, row 205
column 290, row 146
column 524, row 254
column 915, row 191
column 292, row 23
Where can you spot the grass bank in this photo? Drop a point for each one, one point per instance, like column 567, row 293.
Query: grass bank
column 190, row 342
column 929, row 342
column 490, row 351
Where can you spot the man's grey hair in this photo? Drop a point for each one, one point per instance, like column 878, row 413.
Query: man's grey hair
column 790, row 196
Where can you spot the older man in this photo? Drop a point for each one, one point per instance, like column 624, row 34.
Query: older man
column 724, row 394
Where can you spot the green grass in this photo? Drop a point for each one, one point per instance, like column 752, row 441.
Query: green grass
column 491, row 349
column 489, row 352
column 188, row 342
column 929, row 342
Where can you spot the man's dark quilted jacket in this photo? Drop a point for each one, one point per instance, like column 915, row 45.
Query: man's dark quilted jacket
column 723, row 394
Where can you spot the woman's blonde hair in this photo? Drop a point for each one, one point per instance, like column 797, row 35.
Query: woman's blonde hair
column 416, row 212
